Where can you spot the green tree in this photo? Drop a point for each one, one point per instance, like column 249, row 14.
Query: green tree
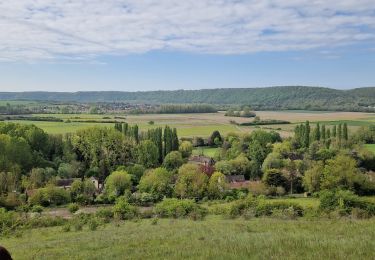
column 307, row 134
column 173, row 160
column 334, row 131
column 274, row 177
column 215, row 139
column 157, row 182
column 148, row 154
column 191, row 182
column 186, row 148
column 117, row 183
column 217, row 186
column 345, row 132
column 340, row 172
column 313, row 177
column 323, row 133
column 317, row 132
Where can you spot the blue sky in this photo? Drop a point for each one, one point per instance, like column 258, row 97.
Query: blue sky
column 151, row 45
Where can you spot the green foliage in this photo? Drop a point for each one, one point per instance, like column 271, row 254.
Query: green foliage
column 157, row 182
column 83, row 192
column 73, row 207
column 37, row 209
column 123, row 210
column 186, row 149
column 313, row 177
column 191, row 182
column 50, row 195
column 274, row 177
column 259, row 207
column 136, row 171
column 102, row 148
column 345, row 202
column 117, row 183
column 179, row 208
column 173, row 160
column 148, row 154
column 217, row 186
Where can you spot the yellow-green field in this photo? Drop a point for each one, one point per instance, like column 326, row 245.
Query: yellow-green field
column 213, row 238
column 370, row 147
column 204, row 124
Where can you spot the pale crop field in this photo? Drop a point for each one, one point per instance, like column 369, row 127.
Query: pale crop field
column 203, row 124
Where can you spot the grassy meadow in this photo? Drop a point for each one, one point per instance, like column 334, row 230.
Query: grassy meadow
column 213, row 238
column 370, row 147
column 203, row 124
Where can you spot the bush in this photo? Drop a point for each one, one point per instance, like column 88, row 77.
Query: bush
column 73, row 207
column 93, row 224
column 66, row 228
column 259, row 207
column 344, row 201
column 280, row 207
column 179, row 208
column 50, row 196
column 10, row 201
column 37, row 209
column 154, row 221
column 123, row 210
column 9, row 221
column 104, row 214
column 44, row 221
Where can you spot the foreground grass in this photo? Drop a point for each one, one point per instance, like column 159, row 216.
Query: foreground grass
column 213, row 238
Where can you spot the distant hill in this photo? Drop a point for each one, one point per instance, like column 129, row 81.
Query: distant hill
column 288, row 97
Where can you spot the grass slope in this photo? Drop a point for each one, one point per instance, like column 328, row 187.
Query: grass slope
column 214, row 238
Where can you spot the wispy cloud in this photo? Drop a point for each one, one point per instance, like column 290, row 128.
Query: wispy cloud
column 83, row 29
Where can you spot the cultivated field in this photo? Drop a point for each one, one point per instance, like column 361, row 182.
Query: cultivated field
column 213, row 238
column 204, row 124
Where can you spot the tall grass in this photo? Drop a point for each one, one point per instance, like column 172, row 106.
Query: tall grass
column 213, row 238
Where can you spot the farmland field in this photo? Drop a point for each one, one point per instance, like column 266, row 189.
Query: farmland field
column 370, row 147
column 213, row 238
column 205, row 151
column 204, row 124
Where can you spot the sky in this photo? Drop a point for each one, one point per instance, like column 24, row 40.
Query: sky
column 133, row 45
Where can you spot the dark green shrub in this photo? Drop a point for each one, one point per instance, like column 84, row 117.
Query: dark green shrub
column 143, row 198
column 154, row 221
column 93, row 224
column 179, row 208
column 9, row 221
column 10, row 201
column 44, row 221
column 104, row 214
column 73, row 207
column 37, row 209
column 50, row 196
column 344, row 201
column 287, row 208
column 123, row 210
column 251, row 206
column 66, row 228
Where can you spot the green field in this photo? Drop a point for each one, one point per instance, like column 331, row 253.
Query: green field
column 189, row 125
column 205, row 151
column 370, row 147
column 213, row 238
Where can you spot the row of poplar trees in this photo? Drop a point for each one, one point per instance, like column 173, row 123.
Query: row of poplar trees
column 166, row 141
column 305, row 135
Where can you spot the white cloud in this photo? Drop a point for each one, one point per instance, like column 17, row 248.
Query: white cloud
column 51, row 30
